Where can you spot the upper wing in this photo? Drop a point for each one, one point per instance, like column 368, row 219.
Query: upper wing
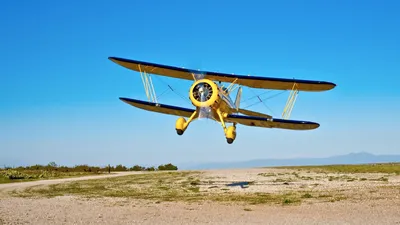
column 250, row 81
column 272, row 123
column 159, row 108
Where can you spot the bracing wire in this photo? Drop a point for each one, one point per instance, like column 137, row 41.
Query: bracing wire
column 162, row 93
column 262, row 100
column 265, row 92
column 173, row 90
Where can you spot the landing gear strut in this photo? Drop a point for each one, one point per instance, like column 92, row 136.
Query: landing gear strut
column 230, row 132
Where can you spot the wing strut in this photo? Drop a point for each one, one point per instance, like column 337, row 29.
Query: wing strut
column 232, row 86
column 290, row 102
column 148, row 86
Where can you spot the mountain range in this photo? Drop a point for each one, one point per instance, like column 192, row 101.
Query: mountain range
column 352, row 158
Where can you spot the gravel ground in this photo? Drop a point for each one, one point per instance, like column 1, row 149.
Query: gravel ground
column 374, row 204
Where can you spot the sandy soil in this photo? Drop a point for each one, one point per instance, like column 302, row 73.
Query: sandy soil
column 372, row 207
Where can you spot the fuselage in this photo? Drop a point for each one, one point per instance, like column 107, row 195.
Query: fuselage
column 210, row 98
column 211, row 101
column 225, row 96
column 226, row 105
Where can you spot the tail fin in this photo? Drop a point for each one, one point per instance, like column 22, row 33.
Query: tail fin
column 238, row 97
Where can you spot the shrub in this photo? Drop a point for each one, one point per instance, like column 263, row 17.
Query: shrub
column 120, row 168
column 151, row 168
column 137, row 168
column 168, row 166
column 14, row 174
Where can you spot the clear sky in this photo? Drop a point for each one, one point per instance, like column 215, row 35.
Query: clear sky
column 59, row 92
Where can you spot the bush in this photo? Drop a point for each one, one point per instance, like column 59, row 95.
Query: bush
column 168, row 166
column 137, row 168
column 120, row 168
column 151, row 168
column 53, row 170
column 14, row 174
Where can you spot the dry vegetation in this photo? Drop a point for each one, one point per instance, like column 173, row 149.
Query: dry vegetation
column 159, row 186
column 12, row 175
column 53, row 171
column 388, row 168
column 285, row 186
column 315, row 195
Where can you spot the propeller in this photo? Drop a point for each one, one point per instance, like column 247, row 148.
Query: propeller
column 202, row 92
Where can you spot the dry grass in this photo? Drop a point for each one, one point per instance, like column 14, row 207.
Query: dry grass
column 11, row 176
column 167, row 186
column 389, row 168
column 264, row 186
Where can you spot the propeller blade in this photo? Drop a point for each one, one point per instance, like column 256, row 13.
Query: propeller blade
column 204, row 91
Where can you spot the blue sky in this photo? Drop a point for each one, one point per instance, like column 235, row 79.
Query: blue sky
column 59, row 92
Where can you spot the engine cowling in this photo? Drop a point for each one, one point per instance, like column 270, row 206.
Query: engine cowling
column 204, row 93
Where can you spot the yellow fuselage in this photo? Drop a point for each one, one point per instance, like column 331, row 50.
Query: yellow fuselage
column 205, row 94
column 218, row 101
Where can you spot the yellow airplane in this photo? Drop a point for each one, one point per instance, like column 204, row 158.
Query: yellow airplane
column 213, row 101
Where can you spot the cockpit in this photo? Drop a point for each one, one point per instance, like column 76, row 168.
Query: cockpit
column 224, row 89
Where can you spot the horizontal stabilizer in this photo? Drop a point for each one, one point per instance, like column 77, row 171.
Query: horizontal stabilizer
column 252, row 113
column 271, row 123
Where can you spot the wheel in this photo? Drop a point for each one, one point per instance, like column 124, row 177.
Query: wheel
column 230, row 134
column 180, row 125
column 179, row 131
column 229, row 140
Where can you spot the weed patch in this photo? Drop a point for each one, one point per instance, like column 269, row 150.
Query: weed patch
column 389, row 168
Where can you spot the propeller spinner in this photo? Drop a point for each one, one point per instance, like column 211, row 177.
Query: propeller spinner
column 202, row 92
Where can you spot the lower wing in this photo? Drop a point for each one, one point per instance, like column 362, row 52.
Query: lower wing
column 159, row 108
column 244, row 120
column 271, row 123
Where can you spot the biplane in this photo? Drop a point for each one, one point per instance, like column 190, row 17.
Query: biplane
column 212, row 100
